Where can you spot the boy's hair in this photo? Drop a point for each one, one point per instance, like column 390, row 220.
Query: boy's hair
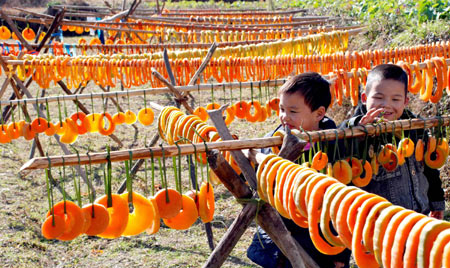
column 387, row 71
column 312, row 86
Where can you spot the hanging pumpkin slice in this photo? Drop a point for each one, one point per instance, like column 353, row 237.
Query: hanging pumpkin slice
column 202, row 113
column 187, row 216
column 241, row 108
column 146, row 116
column 230, row 115
column 141, row 218
column 206, row 202
column 71, row 132
column 169, row 203
column 53, row 226
column 407, row 147
column 28, row 34
column 427, row 89
column 79, row 118
column 118, row 215
column 419, row 150
column 101, row 124
column 119, row 118
column 357, row 168
column 384, row 156
column 99, row 218
column 92, row 122
column 5, row 33
column 319, row 161
column 14, row 36
column 342, row 171
column 437, row 158
column 130, row 117
column 257, row 114
column 154, row 227
column 39, row 125
column 393, row 162
column 41, row 36
column 366, row 176
column 72, row 216
column 14, row 130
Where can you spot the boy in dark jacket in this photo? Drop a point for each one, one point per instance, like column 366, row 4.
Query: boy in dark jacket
column 412, row 185
column 304, row 100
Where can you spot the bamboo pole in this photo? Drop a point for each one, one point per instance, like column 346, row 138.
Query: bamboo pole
column 227, row 145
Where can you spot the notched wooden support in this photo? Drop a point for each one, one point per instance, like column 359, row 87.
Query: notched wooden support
column 292, row 146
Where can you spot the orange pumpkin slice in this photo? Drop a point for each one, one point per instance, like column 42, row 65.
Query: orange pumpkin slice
column 142, row 216
column 412, row 243
column 73, row 218
column 202, row 113
column 154, row 227
column 187, row 216
column 406, row 145
column 50, row 230
column 436, row 159
column 426, row 240
column 92, row 122
column 130, row 117
column 342, row 171
column 362, row 258
column 320, row 160
column 419, row 150
column 403, row 230
column 388, row 239
column 365, row 180
column 146, row 116
column 314, row 209
column 39, row 125
column 118, row 118
column 380, row 229
column 99, row 218
column 118, row 215
column 437, row 251
column 168, row 202
column 206, row 204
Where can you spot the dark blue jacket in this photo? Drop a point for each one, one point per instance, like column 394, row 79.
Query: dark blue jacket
column 412, row 185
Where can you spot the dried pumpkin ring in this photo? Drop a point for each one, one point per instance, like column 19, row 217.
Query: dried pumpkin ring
column 108, row 131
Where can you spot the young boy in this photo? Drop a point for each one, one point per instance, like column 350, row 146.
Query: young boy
column 304, row 100
column 412, row 185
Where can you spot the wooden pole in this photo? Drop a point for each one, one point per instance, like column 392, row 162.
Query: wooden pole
column 142, row 153
column 203, row 65
column 177, row 94
column 224, row 132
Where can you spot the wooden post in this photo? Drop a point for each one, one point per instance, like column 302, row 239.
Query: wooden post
column 224, row 132
column 177, row 94
column 202, row 67
column 268, row 217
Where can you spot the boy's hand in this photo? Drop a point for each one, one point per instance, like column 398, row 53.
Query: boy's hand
column 371, row 115
column 338, row 264
column 437, row 214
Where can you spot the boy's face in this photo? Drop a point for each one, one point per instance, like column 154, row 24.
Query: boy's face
column 388, row 95
column 295, row 113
